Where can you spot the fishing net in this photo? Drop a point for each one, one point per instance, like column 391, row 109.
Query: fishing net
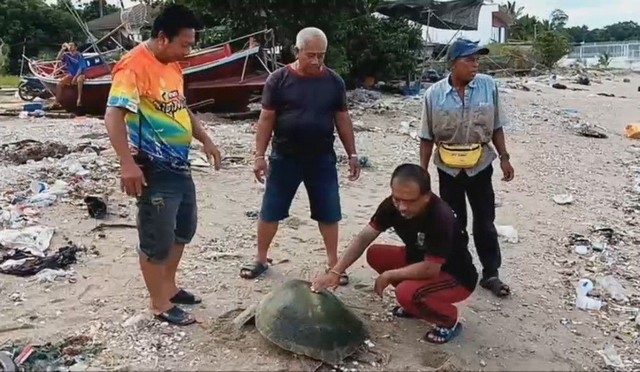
column 134, row 18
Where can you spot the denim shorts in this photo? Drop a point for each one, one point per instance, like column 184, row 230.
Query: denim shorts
column 320, row 177
column 167, row 211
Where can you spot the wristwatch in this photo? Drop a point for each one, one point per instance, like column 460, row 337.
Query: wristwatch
column 505, row 156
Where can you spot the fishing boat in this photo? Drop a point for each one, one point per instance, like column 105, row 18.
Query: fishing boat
column 215, row 79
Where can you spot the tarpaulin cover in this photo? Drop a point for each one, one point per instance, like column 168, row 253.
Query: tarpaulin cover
column 454, row 14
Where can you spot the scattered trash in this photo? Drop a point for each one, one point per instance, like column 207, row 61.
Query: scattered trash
column 559, row 86
column 571, row 113
column 632, row 131
column 20, row 263
column 582, row 249
column 583, row 301
column 23, row 151
column 613, row 288
column 96, row 206
column 33, row 240
column 6, row 362
column 589, row 130
column 583, row 80
column 50, row 275
column 611, row 357
column 362, row 160
column 61, row 356
column 507, row 233
column 563, row 199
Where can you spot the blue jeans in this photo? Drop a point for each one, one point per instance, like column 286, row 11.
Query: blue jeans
column 320, row 177
column 167, row 211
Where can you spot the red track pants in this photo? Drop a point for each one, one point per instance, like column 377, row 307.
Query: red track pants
column 432, row 299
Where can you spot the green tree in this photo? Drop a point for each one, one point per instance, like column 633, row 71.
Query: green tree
column 550, row 46
column 4, row 51
column 356, row 38
column 36, row 25
column 620, row 31
column 558, row 19
column 512, row 9
column 91, row 9
column 525, row 28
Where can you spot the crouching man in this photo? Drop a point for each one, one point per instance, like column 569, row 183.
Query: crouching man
column 432, row 272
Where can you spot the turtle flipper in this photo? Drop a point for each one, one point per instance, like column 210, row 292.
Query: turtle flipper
column 248, row 316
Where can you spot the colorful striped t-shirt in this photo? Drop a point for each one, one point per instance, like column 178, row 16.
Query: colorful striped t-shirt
column 157, row 117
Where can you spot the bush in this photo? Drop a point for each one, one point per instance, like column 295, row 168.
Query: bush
column 4, row 56
column 505, row 56
column 550, row 47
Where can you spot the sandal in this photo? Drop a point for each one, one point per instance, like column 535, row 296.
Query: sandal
column 400, row 312
column 442, row 335
column 495, row 285
column 344, row 278
column 254, row 269
column 185, row 298
column 176, row 316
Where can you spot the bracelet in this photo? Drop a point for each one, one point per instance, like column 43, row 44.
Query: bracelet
column 353, row 155
column 334, row 271
column 260, row 157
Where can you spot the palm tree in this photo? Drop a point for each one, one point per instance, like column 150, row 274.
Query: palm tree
column 512, row 9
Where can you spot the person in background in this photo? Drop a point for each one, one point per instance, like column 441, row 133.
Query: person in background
column 302, row 104
column 147, row 98
column 461, row 116
column 432, row 272
column 75, row 65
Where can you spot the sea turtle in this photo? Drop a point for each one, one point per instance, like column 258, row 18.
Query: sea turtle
column 317, row 325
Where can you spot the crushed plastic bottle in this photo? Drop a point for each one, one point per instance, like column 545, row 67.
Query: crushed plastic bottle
column 583, row 301
column 38, row 187
column 611, row 357
column 614, row 288
column 507, row 233
column 42, row 200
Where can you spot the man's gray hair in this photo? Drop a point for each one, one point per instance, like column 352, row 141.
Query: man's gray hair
column 309, row 33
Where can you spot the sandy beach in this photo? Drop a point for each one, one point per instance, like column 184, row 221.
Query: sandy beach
column 537, row 328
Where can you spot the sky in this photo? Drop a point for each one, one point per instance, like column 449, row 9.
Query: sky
column 593, row 13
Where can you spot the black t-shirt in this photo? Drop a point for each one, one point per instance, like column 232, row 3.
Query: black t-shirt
column 305, row 110
column 433, row 235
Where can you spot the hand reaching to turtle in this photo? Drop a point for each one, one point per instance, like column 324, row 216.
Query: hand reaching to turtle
column 328, row 280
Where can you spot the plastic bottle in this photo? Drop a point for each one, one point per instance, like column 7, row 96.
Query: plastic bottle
column 583, row 301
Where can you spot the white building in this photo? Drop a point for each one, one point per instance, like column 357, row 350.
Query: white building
column 623, row 54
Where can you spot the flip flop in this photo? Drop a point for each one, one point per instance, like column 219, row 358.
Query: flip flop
column 176, row 316
column 442, row 335
column 185, row 298
column 496, row 286
column 254, row 269
column 400, row 312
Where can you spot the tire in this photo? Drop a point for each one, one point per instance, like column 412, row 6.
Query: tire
column 25, row 93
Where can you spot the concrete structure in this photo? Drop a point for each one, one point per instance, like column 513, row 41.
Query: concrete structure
column 493, row 27
column 624, row 55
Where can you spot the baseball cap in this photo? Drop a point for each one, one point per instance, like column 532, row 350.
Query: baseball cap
column 464, row 48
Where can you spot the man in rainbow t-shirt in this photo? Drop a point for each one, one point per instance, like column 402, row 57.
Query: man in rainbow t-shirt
column 147, row 101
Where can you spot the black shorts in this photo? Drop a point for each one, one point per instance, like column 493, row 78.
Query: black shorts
column 167, row 211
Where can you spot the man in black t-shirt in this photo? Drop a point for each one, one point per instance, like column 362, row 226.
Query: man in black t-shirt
column 432, row 272
column 303, row 104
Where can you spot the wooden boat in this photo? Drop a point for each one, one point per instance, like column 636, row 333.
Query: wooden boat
column 215, row 79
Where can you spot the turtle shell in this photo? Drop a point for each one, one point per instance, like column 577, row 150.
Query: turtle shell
column 317, row 325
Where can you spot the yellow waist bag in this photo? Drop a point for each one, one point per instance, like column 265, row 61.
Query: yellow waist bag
column 460, row 156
